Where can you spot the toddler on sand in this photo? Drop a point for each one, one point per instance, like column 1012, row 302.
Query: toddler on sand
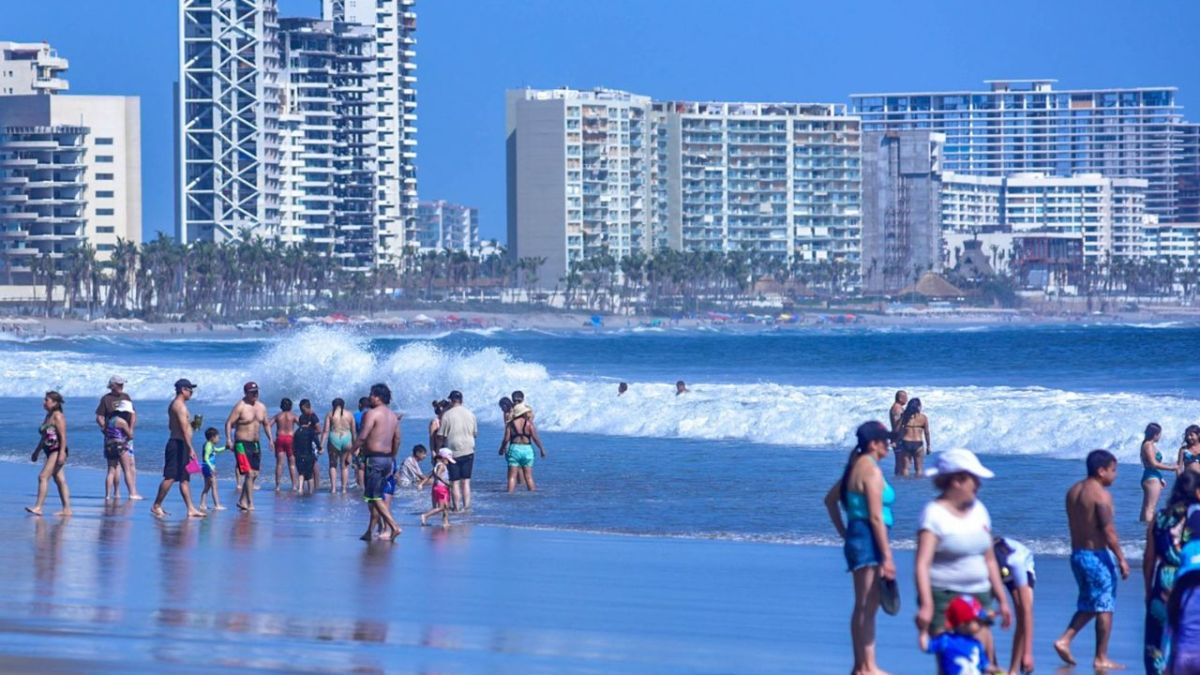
column 440, row 475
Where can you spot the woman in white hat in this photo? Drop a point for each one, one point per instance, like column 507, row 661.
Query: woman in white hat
column 954, row 546
column 520, row 435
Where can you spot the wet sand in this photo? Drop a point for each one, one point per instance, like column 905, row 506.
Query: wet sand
column 290, row 587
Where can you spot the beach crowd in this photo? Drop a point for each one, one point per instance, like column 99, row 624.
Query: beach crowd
column 363, row 445
column 967, row 576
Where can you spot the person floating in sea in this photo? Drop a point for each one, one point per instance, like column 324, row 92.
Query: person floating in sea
column 681, row 388
column 914, row 444
column 208, row 466
column 622, row 388
column 246, row 422
column 126, row 463
column 308, row 448
column 1189, row 451
column 377, row 444
column 118, row 434
column 958, row 650
column 459, row 428
column 439, row 475
column 179, row 451
column 520, row 435
column 1096, row 557
column 53, row 445
column 338, row 435
column 285, row 447
column 1153, row 480
column 1019, row 576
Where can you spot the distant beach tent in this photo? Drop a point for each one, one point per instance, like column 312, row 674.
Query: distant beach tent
column 932, row 285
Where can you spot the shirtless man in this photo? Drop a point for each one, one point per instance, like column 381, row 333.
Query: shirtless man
column 285, row 430
column 377, row 442
column 249, row 415
column 1095, row 557
column 179, row 452
column 898, row 408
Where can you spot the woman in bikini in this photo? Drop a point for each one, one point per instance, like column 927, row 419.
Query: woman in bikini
column 54, row 445
column 913, row 429
column 1189, row 452
column 1153, row 480
column 436, row 440
column 520, row 435
column 337, row 436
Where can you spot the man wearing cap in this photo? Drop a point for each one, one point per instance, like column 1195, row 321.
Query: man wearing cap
column 179, row 451
column 104, row 411
column 459, row 428
column 249, row 416
column 1096, row 557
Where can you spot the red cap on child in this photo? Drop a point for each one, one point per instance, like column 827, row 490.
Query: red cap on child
column 962, row 609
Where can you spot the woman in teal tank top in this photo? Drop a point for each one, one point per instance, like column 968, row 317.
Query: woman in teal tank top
column 867, row 499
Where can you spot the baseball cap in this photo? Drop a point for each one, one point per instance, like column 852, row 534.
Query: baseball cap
column 959, row 460
column 116, row 380
column 249, row 387
column 184, row 384
column 445, row 454
column 965, row 608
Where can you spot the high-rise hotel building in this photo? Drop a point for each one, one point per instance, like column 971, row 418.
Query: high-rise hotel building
column 298, row 129
column 70, row 166
column 1023, row 126
column 611, row 170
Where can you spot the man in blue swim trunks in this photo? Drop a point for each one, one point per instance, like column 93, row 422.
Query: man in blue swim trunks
column 1095, row 557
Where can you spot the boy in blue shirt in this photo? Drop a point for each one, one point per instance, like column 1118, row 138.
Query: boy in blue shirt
column 958, row 651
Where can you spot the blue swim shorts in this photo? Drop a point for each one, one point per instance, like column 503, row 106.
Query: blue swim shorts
column 519, row 454
column 1096, row 575
column 860, row 548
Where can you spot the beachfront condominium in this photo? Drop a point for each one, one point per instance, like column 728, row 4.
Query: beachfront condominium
column 395, row 101
column 282, row 132
column 70, row 174
column 443, row 226
column 30, row 68
column 1022, row 126
column 578, row 176
column 776, row 179
column 612, row 171
column 1188, row 173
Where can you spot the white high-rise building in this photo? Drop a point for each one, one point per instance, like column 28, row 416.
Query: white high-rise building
column 443, row 226
column 70, row 173
column 30, row 68
column 289, row 133
column 395, row 99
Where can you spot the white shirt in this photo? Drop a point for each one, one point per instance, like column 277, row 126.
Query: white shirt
column 459, row 428
column 959, row 562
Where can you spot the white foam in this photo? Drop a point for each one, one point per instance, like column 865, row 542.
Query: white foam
column 321, row 363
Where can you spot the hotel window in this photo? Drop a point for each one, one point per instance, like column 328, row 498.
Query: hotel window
column 104, row 159
column 104, row 141
column 104, row 194
column 104, row 212
column 104, row 229
column 104, row 176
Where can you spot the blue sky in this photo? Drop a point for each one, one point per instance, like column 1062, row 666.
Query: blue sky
column 470, row 51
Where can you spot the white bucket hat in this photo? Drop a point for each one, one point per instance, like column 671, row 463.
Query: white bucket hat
column 124, row 406
column 959, row 460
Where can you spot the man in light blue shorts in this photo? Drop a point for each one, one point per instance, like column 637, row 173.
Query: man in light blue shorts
column 1096, row 557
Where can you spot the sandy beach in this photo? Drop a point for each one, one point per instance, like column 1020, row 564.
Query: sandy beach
column 289, row 587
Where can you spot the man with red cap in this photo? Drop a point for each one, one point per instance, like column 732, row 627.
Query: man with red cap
column 249, row 418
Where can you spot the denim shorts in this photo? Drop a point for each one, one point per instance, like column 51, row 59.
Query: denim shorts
column 860, row 547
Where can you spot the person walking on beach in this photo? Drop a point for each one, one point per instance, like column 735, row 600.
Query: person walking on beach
column 356, row 459
column 459, row 428
column 867, row 499
column 246, row 422
column 520, row 435
column 118, row 434
column 1166, row 538
column 377, row 444
column 1096, row 557
column 208, row 467
column 1019, row 576
column 179, row 451
column 308, row 448
column 53, row 444
column 913, row 427
column 1153, row 480
column 954, row 546
column 1189, row 452
column 337, row 435
column 285, row 447
column 439, row 475
column 436, row 440
column 104, row 411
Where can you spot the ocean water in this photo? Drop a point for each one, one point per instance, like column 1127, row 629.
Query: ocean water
column 746, row 455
